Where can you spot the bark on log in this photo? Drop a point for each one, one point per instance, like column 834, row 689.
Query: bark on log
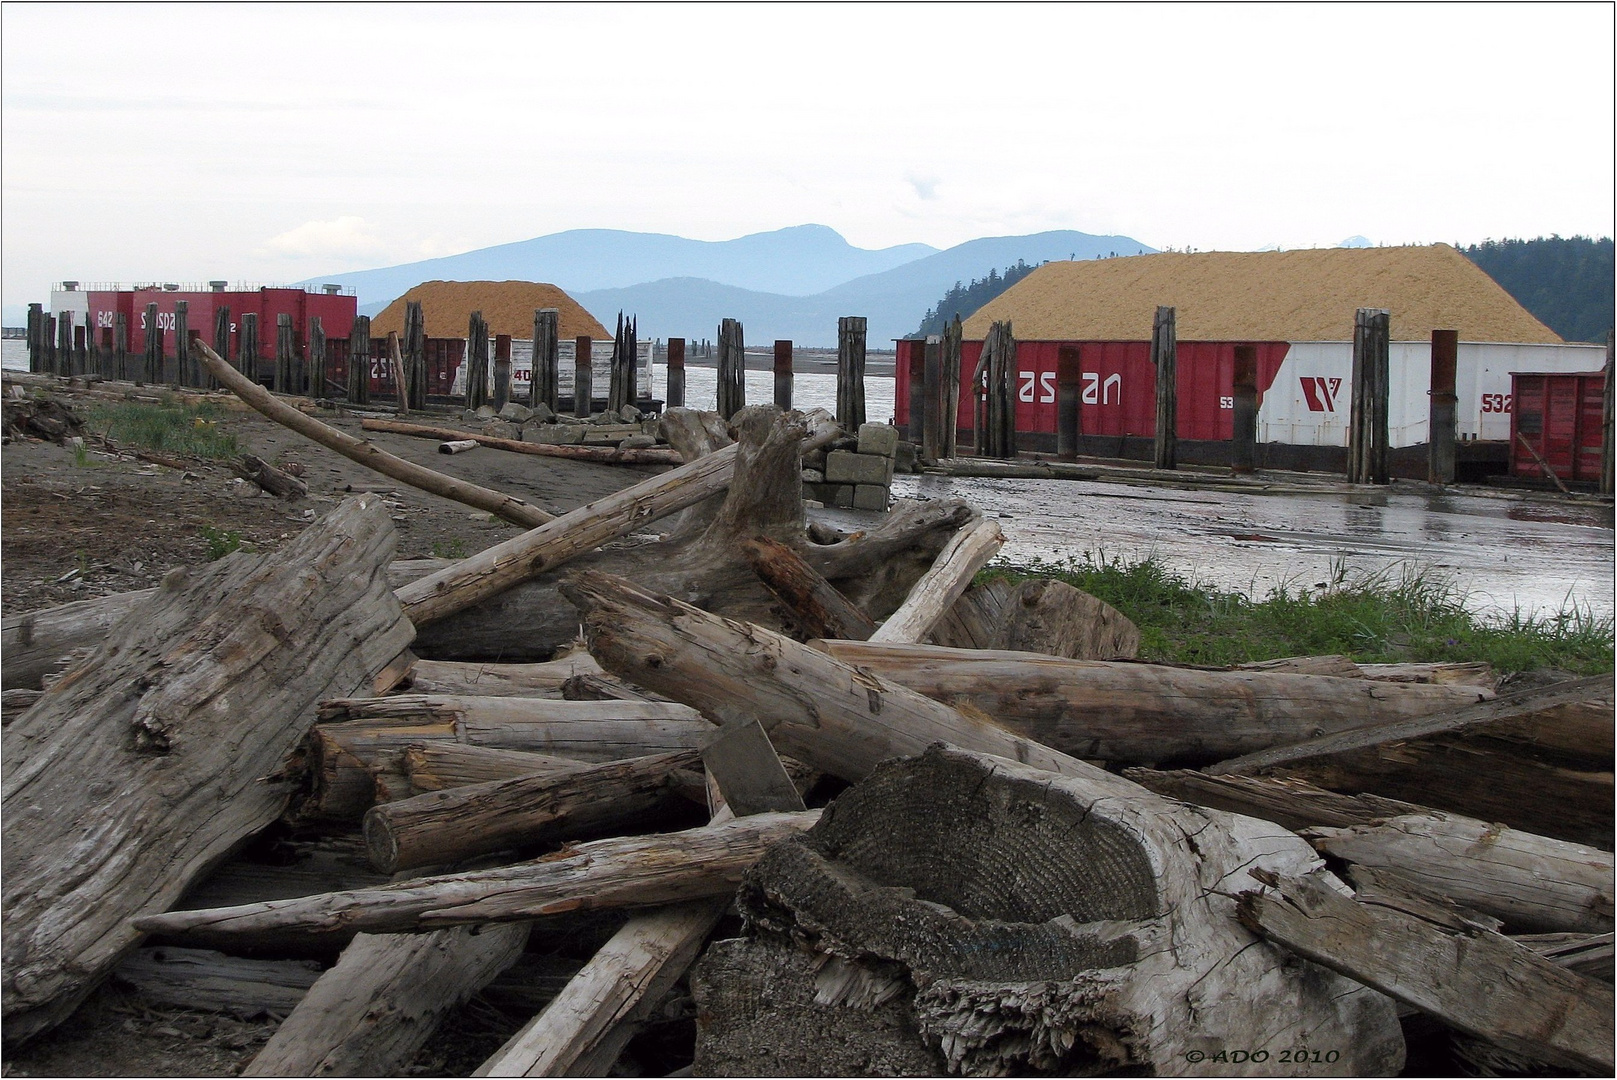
column 1531, row 883
column 941, row 586
column 1472, row 979
column 601, row 455
column 581, row 802
column 837, row 718
column 281, row 485
column 1462, row 674
column 368, row 454
column 970, row 916
column 214, row 982
column 369, row 1014
column 810, row 602
column 146, row 764
column 1141, row 714
column 639, row 871
column 1290, row 803
column 1042, row 616
column 582, row 1031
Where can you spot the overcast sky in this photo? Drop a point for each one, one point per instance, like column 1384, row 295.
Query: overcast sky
column 272, row 143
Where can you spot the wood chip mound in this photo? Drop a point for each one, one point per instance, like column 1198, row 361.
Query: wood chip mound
column 507, row 307
column 1263, row 296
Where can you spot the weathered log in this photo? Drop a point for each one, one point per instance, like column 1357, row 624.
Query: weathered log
column 601, row 455
column 583, row 1030
column 1478, row 673
column 435, row 766
column 957, row 914
column 1037, row 615
column 639, row 871
column 500, row 680
column 1590, row 955
column 809, row 600
column 693, row 434
column 603, row 687
column 460, row 823
column 368, row 1015
column 1532, row 883
column 941, row 586
column 143, row 766
column 457, row 446
column 1290, row 803
column 212, row 981
column 1336, row 664
column 837, row 718
column 1142, row 714
column 1506, row 708
column 1472, row 979
column 360, row 735
column 508, row 507
column 280, row 484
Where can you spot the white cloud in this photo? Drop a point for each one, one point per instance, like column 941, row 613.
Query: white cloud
column 341, row 238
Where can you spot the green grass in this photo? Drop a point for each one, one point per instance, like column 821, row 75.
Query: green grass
column 170, row 429
column 221, row 542
column 453, row 548
column 1373, row 618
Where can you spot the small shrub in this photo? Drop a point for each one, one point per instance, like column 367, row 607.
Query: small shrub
column 449, row 549
column 221, row 542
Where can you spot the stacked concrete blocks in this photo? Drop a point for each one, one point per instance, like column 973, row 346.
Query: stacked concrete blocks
column 857, row 474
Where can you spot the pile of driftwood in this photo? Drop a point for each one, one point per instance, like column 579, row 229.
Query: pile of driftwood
column 1041, row 855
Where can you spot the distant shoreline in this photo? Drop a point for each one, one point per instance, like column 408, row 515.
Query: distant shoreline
column 879, row 364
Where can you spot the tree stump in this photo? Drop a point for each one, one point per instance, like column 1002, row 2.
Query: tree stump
column 961, row 914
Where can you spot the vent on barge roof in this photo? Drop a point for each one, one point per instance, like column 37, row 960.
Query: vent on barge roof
column 218, row 286
column 70, row 286
column 331, row 290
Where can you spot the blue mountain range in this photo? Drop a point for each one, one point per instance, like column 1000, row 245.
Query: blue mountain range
column 791, row 283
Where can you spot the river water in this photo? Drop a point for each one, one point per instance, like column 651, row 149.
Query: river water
column 1503, row 554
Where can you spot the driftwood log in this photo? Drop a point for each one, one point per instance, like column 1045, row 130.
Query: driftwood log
column 500, row 680
column 640, row 871
column 1472, row 979
column 1142, row 714
column 601, row 455
column 932, row 596
column 371, row 456
column 147, row 763
column 962, row 914
column 1531, row 883
column 280, row 484
column 213, row 981
column 1288, row 802
column 1040, row 616
column 812, row 604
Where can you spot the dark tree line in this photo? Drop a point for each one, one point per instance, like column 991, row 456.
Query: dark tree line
column 1566, row 282
column 964, row 300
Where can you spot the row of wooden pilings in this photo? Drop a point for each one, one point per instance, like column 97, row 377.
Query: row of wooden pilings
column 935, row 396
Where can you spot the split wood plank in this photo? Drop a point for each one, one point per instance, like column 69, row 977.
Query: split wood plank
column 1472, row 979
column 931, row 597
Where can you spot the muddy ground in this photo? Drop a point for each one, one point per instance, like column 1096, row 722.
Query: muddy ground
column 80, row 524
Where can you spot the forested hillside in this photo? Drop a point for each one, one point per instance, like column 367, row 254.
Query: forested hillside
column 1566, row 282
column 962, row 300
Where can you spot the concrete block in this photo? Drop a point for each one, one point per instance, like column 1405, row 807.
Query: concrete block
column 630, row 414
column 869, row 497
column 904, row 457
column 541, row 413
column 813, row 476
column 878, row 439
column 830, row 494
column 515, row 413
column 559, row 434
column 841, row 467
column 499, row 429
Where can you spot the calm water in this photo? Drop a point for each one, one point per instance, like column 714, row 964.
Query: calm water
column 1504, row 555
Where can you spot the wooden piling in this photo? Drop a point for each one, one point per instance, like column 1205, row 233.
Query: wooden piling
column 1441, row 407
column 783, row 373
column 732, row 388
column 1606, row 455
column 544, row 385
column 182, row 344
column 247, row 345
column 932, row 398
column 81, row 364
column 476, row 361
column 1164, row 355
column 64, row 344
column 359, row 360
column 915, row 422
column 583, row 376
column 154, row 346
column 401, row 382
column 221, row 343
column 502, row 371
column 1367, row 427
column 1244, row 432
column 851, row 372
column 998, row 365
column 676, row 373
column 36, row 338
column 415, row 355
column 317, row 357
column 1069, row 396
column 107, row 355
column 953, row 335
column 120, row 345
column 283, row 382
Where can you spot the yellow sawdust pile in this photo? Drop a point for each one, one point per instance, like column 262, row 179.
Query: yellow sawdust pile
column 1262, row 296
column 507, row 306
